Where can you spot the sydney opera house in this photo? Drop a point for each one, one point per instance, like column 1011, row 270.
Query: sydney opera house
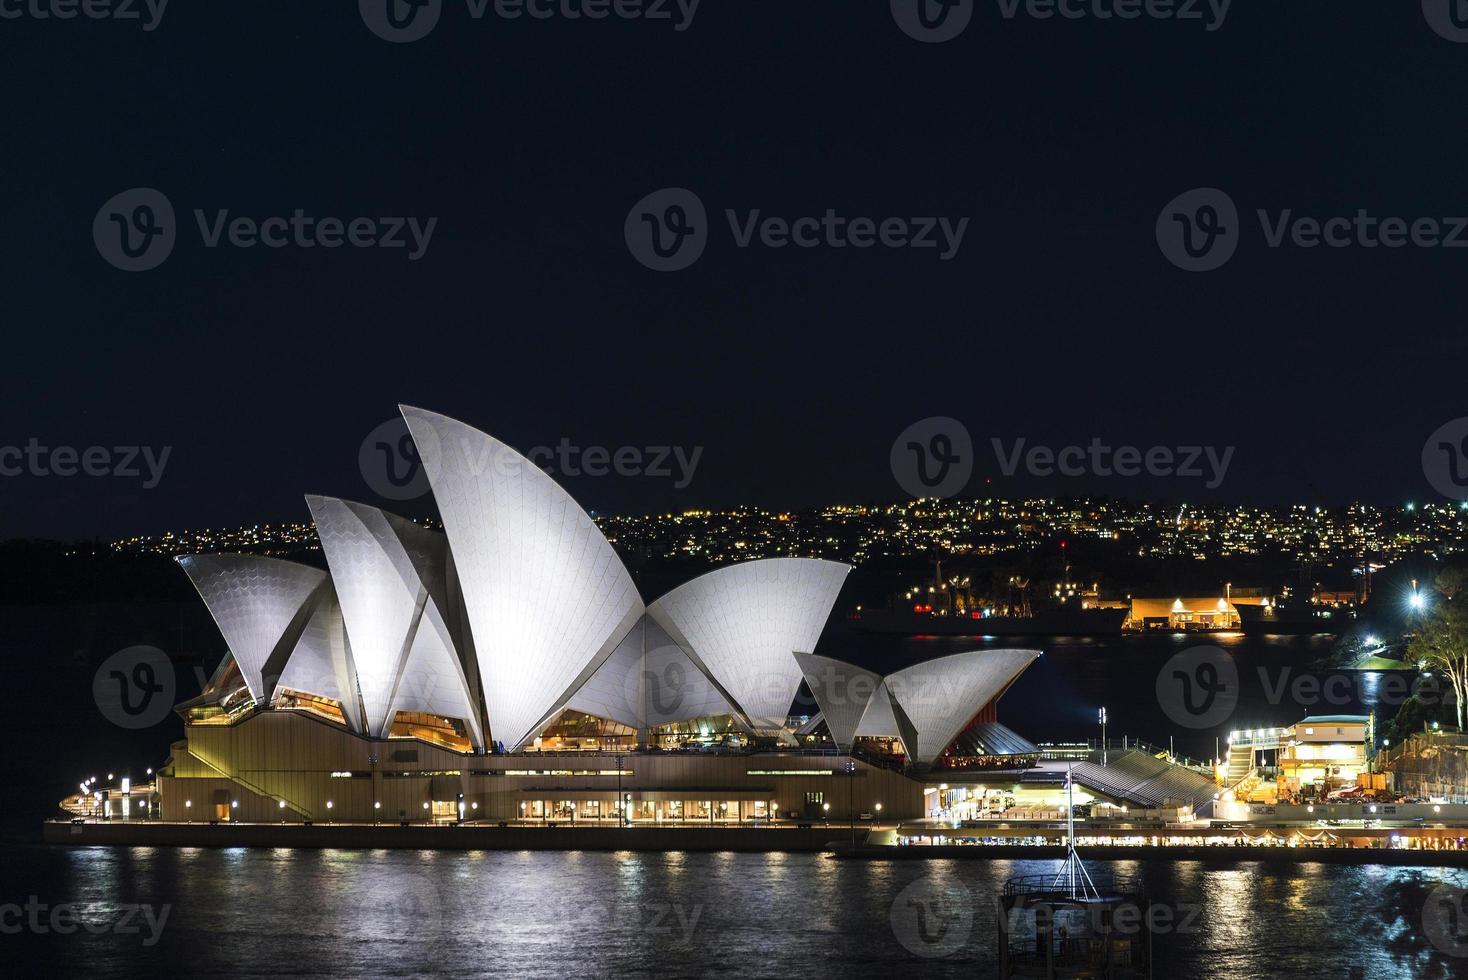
column 508, row 670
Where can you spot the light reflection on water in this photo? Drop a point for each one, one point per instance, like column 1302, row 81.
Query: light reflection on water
column 528, row 914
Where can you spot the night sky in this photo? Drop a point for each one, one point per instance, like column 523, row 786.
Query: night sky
column 1058, row 320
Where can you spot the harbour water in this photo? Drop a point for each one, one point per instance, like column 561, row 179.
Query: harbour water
column 276, row 912
column 400, row 913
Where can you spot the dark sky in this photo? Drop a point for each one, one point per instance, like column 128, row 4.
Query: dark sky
column 1059, row 319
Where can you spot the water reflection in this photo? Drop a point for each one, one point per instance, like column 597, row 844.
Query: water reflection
column 530, row 914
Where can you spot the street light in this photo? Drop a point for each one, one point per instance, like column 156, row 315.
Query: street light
column 1103, row 736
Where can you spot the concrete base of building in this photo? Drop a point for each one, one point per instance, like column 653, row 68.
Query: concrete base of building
column 472, row 837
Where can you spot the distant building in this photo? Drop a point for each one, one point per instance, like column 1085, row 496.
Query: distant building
column 1183, row 613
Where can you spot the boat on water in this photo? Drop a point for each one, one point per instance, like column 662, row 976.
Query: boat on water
column 949, row 606
column 1056, row 622
column 1297, row 619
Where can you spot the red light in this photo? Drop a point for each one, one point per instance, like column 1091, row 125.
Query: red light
column 976, row 615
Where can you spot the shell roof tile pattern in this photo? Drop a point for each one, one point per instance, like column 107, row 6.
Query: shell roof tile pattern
column 521, row 609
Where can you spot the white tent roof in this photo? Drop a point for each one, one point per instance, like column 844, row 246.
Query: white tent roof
column 941, row 696
column 842, row 691
column 403, row 653
column 547, row 597
column 260, row 606
column 743, row 623
column 650, row 681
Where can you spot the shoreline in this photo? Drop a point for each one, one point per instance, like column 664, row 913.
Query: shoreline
column 830, row 840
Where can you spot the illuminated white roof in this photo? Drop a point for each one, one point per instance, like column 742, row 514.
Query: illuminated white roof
column 842, row 692
column 742, row 623
column 400, row 645
column 321, row 664
column 884, row 718
column 941, row 696
column 650, row 681
column 547, row 597
column 260, row 606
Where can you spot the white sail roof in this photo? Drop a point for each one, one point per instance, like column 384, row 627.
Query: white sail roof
column 321, row 663
column 884, row 718
column 650, row 681
column 383, row 566
column 547, row 597
column 260, row 606
column 941, row 696
column 842, row 691
column 742, row 623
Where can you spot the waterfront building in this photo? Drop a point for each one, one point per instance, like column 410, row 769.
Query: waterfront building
column 1185, row 613
column 508, row 669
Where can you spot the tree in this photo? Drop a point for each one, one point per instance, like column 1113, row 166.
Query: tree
column 1450, row 580
column 1441, row 645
